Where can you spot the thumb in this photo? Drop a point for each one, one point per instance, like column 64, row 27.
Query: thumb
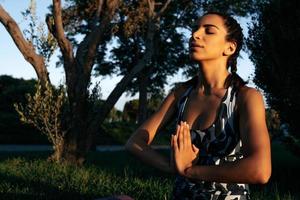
column 195, row 149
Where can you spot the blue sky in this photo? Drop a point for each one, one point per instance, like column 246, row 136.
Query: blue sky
column 13, row 63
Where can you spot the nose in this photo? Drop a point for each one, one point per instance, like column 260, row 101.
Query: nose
column 196, row 35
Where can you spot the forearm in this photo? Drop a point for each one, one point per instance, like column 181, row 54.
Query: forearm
column 149, row 156
column 241, row 171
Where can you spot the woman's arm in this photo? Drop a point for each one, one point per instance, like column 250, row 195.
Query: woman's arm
column 255, row 166
column 139, row 142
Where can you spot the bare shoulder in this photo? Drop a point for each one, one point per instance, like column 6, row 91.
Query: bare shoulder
column 248, row 94
column 180, row 88
column 249, row 98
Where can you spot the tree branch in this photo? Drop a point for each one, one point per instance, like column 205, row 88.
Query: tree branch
column 162, row 10
column 151, row 4
column 98, row 12
column 87, row 48
column 121, row 86
column 64, row 44
column 25, row 47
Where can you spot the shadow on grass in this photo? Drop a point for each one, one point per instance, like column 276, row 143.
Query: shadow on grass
column 120, row 162
column 28, row 189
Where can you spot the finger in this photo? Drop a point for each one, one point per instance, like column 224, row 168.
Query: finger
column 185, row 133
column 189, row 135
column 175, row 144
column 177, row 129
column 177, row 134
column 180, row 136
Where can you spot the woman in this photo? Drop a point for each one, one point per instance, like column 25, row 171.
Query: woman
column 221, row 142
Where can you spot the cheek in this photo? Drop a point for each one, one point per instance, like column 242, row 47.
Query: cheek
column 216, row 46
column 217, row 42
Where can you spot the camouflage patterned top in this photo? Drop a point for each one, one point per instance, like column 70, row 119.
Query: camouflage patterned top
column 219, row 143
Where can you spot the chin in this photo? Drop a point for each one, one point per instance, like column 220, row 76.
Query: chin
column 196, row 58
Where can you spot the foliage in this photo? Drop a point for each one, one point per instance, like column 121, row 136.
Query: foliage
column 273, row 122
column 240, row 8
column 13, row 89
column 12, row 131
column 274, row 42
column 130, row 111
column 44, row 110
column 119, row 131
column 36, row 33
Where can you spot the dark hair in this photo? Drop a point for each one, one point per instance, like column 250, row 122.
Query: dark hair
column 234, row 34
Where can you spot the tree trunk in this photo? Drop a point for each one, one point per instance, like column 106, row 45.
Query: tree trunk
column 143, row 102
column 153, row 27
column 78, row 71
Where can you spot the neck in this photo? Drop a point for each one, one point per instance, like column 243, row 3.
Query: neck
column 212, row 75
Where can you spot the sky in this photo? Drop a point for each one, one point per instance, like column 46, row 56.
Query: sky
column 13, row 63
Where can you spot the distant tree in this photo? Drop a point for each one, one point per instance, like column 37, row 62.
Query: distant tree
column 274, row 44
column 13, row 90
column 130, row 111
column 273, row 123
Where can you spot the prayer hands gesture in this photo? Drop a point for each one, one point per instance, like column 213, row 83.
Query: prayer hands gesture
column 185, row 154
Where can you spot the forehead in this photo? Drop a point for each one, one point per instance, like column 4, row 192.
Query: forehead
column 212, row 19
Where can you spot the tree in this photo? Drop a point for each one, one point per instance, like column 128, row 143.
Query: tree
column 77, row 67
column 274, row 42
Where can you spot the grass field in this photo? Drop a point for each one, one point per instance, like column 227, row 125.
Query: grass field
column 29, row 176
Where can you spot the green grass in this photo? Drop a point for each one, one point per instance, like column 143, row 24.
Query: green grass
column 28, row 175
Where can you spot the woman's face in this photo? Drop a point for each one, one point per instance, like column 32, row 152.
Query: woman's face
column 208, row 40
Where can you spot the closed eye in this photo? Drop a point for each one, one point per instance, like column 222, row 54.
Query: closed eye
column 209, row 31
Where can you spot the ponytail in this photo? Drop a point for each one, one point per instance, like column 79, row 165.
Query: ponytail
column 234, row 79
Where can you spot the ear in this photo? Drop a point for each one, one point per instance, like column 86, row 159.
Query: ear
column 230, row 48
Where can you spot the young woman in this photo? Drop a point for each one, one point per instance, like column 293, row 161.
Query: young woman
column 221, row 142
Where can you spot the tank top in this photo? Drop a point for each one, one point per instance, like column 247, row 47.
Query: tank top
column 218, row 144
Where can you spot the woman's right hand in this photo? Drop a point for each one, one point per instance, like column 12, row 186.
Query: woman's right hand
column 185, row 152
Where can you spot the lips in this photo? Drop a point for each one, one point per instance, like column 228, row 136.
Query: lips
column 195, row 45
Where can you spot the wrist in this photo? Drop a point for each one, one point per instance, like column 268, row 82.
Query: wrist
column 188, row 172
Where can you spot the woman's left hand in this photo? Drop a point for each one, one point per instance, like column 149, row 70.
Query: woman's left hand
column 185, row 153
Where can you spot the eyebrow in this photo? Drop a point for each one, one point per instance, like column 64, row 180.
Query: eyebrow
column 208, row 25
